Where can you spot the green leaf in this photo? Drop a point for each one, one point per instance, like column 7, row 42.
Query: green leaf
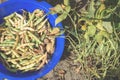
column 57, row 9
column 108, row 26
column 86, row 36
column 99, row 36
column 105, row 34
column 100, row 26
column 66, row 2
column 91, row 10
column 91, row 30
column 67, row 8
column 60, row 18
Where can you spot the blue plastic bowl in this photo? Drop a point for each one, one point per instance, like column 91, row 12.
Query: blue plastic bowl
column 11, row 6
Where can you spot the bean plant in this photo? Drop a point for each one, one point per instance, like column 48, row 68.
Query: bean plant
column 94, row 36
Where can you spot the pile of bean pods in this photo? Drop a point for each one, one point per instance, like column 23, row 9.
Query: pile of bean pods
column 27, row 41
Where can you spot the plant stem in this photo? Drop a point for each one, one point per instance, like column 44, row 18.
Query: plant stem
column 75, row 26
